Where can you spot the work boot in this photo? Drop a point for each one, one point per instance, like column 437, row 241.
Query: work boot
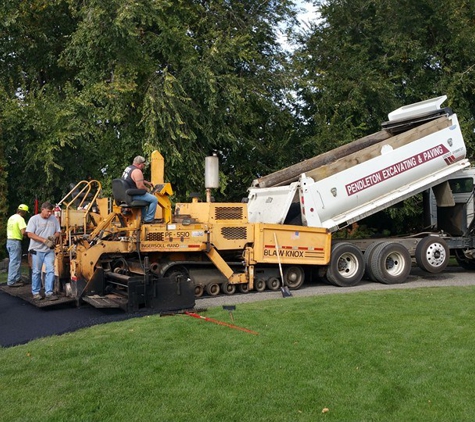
column 37, row 297
column 16, row 284
column 51, row 297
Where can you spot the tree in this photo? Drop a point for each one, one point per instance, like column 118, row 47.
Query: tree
column 87, row 86
column 365, row 58
column 187, row 78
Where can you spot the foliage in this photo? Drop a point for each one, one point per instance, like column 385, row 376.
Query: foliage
column 3, row 194
column 87, row 86
column 364, row 58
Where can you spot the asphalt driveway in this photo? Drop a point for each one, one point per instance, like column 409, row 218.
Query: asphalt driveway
column 21, row 322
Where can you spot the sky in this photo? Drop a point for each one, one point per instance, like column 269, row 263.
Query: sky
column 308, row 14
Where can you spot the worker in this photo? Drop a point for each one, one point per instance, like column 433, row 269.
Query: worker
column 16, row 226
column 134, row 177
column 43, row 229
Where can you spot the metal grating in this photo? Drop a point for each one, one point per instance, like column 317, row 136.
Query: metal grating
column 155, row 237
column 228, row 213
column 234, row 233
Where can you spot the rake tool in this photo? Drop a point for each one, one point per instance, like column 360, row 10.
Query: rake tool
column 283, row 288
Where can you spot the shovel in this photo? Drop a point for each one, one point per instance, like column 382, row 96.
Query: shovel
column 283, row 288
column 230, row 309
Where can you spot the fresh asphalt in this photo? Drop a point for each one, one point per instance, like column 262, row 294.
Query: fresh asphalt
column 21, row 322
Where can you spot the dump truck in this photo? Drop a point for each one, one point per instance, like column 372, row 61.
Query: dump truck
column 280, row 237
column 419, row 149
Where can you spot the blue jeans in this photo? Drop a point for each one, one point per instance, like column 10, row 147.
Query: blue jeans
column 14, row 254
column 40, row 258
column 148, row 214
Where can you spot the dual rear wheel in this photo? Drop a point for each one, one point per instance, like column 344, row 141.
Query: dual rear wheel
column 384, row 262
column 390, row 262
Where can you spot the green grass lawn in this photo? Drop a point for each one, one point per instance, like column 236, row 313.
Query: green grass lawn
column 374, row 356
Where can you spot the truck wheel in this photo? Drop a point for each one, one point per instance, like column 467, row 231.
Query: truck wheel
column 228, row 288
column 391, row 263
column 273, row 283
column 260, row 285
column 368, row 254
column 346, row 266
column 432, row 254
column 294, row 277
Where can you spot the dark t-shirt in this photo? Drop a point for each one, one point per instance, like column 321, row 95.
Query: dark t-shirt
column 126, row 176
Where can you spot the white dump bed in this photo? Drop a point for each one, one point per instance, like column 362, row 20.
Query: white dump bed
column 367, row 181
column 271, row 205
column 421, row 108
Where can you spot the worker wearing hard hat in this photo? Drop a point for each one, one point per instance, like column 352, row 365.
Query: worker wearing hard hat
column 16, row 227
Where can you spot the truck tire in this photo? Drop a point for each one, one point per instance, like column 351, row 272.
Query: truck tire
column 391, row 263
column 432, row 254
column 346, row 266
column 368, row 254
column 294, row 277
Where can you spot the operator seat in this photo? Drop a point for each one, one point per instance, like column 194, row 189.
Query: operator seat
column 124, row 196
